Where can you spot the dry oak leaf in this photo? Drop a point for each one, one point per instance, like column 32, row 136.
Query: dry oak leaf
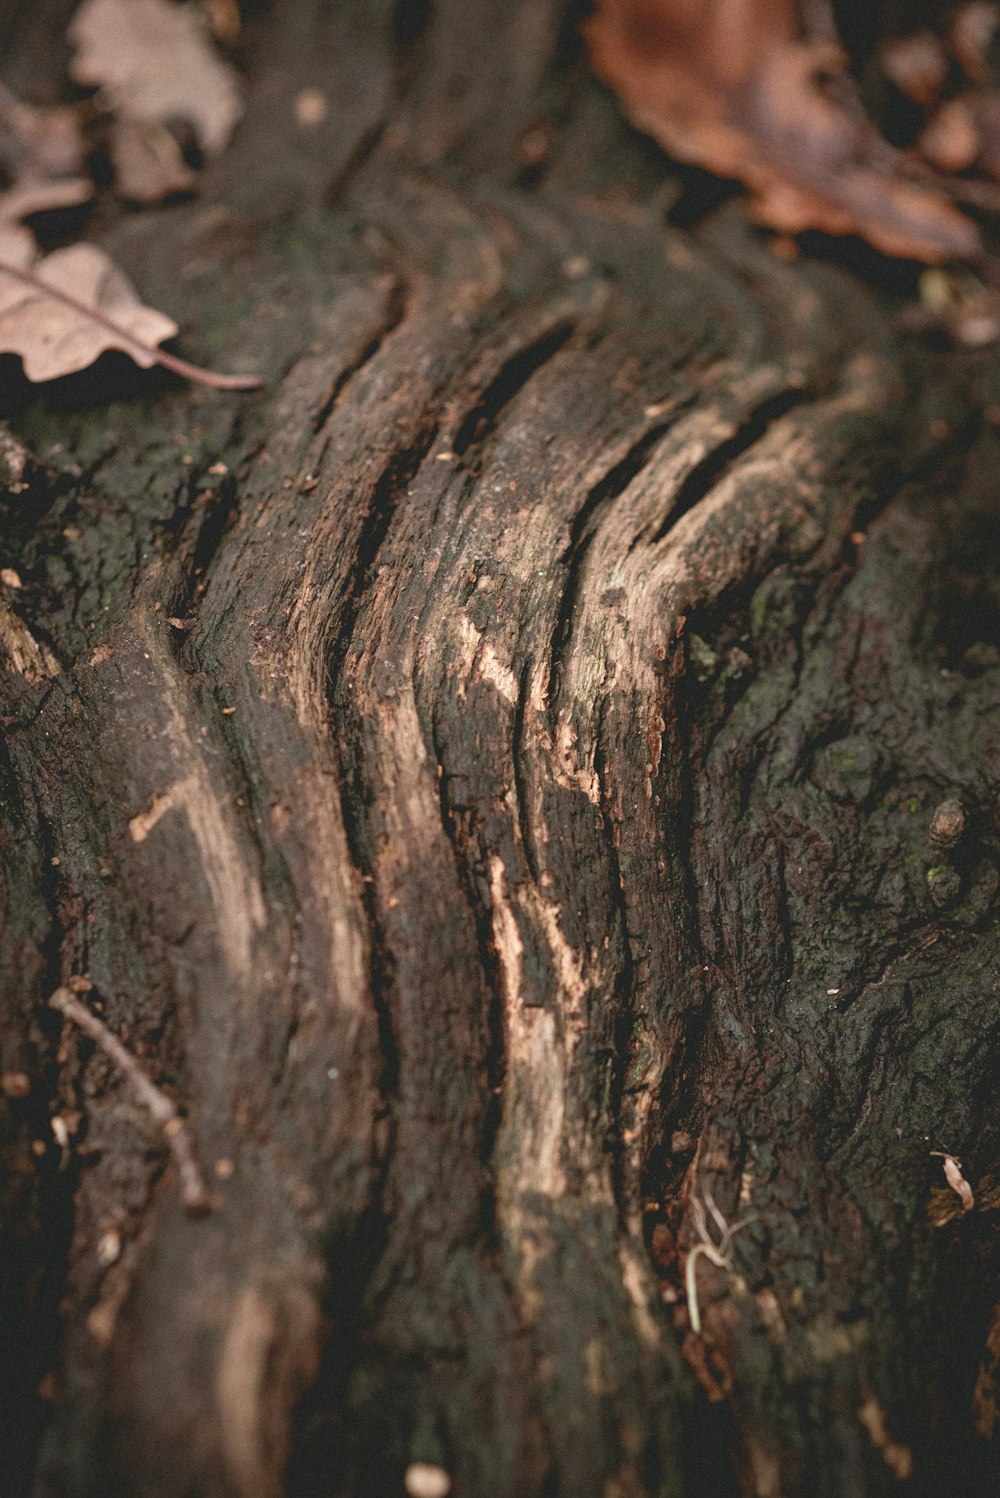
column 54, row 337
column 729, row 86
column 917, row 64
column 148, row 162
column 41, row 142
column 32, row 195
column 155, row 62
column 60, row 313
column 41, row 157
column 964, row 134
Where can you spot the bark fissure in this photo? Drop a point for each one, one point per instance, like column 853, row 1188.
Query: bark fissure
column 511, row 379
column 524, row 819
column 473, row 882
column 582, row 532
column 621, row 1054
column 713, row 467
column 397, row 473
column 395, row 311
column 364, row 150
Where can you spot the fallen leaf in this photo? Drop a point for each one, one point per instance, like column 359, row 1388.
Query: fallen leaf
column 41, row 157
column 729, row 85
column 155, row 62
column 148, row 162
column 951, row 139
column 97, row 309
column 62, row 312
column 224, row 18
column 972, row 30
column 916, row 64
column 44, row 142
column 35, row 195
column 985, row 109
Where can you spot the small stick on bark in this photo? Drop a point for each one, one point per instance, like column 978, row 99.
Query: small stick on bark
column 719, row 1254
column 195, row 1197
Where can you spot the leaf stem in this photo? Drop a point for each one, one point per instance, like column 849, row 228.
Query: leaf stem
column 150, row 352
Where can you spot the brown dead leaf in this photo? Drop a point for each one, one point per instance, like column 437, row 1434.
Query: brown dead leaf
column 148, row 163
column 917, row 65
column 34, row 195
column 155, row 62
column 728, row 85
column 986, row 1395
column 40, row 142
column 224, row 18
column 951, row 139
column 42, row 157
column 972, row 30
column 97, row 310
column 62, row 312
column 985, row 108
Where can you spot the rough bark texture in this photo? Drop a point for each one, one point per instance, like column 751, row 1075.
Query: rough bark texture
column 521, row 845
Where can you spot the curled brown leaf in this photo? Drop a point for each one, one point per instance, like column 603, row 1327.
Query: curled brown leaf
column 730, row 86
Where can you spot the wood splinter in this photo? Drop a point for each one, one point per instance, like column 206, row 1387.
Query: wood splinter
column 164, row 1111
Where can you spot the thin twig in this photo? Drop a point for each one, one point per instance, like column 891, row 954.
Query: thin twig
column 691, row 1279
column 163, row 1110
column 719, row 1254
column 148, row 351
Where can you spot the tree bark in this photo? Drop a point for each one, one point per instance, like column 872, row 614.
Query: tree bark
column 489, row 782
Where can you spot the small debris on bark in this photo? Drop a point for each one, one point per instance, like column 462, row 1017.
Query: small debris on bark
column 163, row 1110
column 948, row 823
column 425, row 1480
column 956, row 1180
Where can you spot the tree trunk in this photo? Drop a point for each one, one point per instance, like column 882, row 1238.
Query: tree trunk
column 490, row 783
